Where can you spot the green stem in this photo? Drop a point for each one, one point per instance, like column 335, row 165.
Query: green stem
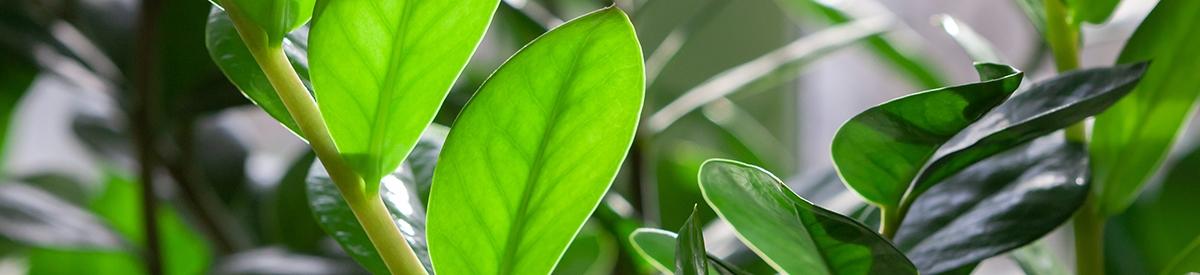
column 1063, row 37
column 368, row 207
column 889, row 222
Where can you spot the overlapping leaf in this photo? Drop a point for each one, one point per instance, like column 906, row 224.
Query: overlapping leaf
column 791, row 234
column 658, row 247
column 534, row 151
column 274, row 17
column 33, row 217
column 382, row 68
column 690, row 256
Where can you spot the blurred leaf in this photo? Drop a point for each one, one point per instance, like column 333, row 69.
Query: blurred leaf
column 15, row 78
column 1153, row 223
column 333, row 214
column 1037, row 259
column 919, row 69
column 1035, row 10
column 275, row 261
column 996, row 205
column 593, row 252
column 276, row 18
column 187, row 77
column 418, row 167
column 976, row 46
column 33, row 217
column 1091, row 11
column 379, row 85
column 287, row 217
column 230, row 53
column 790, row 233
column 1187, row 262
column 1131, row 139
column 881, row 150
column 690, row 256
column 220, row 158
column 536, row 149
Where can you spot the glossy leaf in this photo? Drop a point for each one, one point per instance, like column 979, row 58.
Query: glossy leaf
column 333, row 214
column 30, row 216
column 1130, row 141
column 418, row 167
column 690, row 256
column 1091, row 11
column 274, row 17
column 996, row 205
column 382, row 68
column 657, row 246
column 531, row 155
column 791, row 234
column 1045, row 107
column 879, row 151
column 229, row 52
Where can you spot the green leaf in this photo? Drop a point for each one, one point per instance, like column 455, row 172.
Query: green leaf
column 593, row 252
column 1037, row 259
column 1091, row 11
column 418, row 167
column 690, row 256
column 791, row 234
column 1036, row 11
column 976, row 46
column 274, row 17
column 382, row 68
column 229, row 52
column 287, row 218
column 333, row 214
column 1153, row 223
column 879, row 151
column 15, row 78
column 1131, row 139
column 996, row 205
column 657, row 246
column 1186, row 262
column 531, row 155
column 1045, row 107
column 33, row 217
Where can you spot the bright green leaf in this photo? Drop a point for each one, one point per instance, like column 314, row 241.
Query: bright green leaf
column 996, row 205
column 690, row 256
column 1131, row 139
column 879, row 151
column 274, row 17
column 791, row 234
column 229, row 52
column 531, row 155
column 382, row 68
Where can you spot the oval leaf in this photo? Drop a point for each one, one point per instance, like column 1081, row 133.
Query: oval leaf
column 1131, row 140
column 791, row 234
column 382, row 68
column 229, row 52
column 880, row 151
column 534, row 151
column 996, row 205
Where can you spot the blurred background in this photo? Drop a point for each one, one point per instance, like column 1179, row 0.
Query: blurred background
column 767, row 82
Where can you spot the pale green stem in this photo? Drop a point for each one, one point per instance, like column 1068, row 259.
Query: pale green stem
column 1063, row 37
column 889, row 222
column 368, row 208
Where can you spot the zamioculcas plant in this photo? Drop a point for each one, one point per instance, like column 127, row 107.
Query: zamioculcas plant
column 524, row 165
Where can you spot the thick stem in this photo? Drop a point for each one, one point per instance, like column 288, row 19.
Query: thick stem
column 889, row 222
column 1089, row 239
column 143, row 117
column 368, row 208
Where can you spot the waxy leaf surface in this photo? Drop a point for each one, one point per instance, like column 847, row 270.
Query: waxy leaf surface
column 880, row 151
column 996, row 205
column 1130, row 140
column 690, row 256
column 535, row 149
column 791, row 234
column 658, row 246
column 274, row 17
column 382, row 68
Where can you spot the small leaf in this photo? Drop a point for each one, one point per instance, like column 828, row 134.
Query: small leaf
column 996, row 205
column 382, row 68
column 274, row 17
column 657, row 246
column 690, row 256
column 1131, row 139
column 33, row 217
column 791, row 234
column 532, row 154
column 335, row 217
column 879, row 151
column 229, row 52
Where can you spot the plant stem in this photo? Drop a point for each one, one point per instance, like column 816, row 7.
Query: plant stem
column 368, row 207
column 889, row 222
column 143, row 117
column 1063, row 37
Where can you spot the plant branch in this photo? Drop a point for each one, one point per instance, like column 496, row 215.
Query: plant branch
column 368, row 207
column 142, row 118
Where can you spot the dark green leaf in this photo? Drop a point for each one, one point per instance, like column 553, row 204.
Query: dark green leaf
column 532, row 154
column 1131, row 139
column 274, row 17
column 881, row 150
column 382, row 68
column 15, row 78
column 229, row 52
column 1187, row 262
column 791, row 234
column 30, row 216
column 996, row 205
column 1153, row 225
column 690, row 256
column 334, row 215
column 1045, row 107
column 593, row 252
column 418, row 167
column 287, row 217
